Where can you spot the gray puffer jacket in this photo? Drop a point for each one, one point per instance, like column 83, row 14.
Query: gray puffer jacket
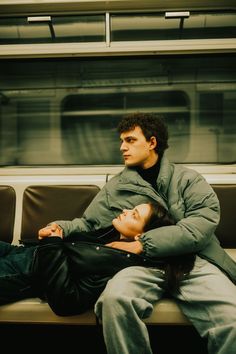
column 189, row 199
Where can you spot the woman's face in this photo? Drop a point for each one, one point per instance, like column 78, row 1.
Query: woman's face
column 131, row 222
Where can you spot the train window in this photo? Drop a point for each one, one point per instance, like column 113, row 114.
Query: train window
column 180, row 25
column 102, row 112
column 124, row 27
column 52, row 29
column 65, row 111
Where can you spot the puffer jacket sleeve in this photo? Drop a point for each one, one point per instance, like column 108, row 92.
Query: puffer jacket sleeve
column 196, row 211
column 65, row 294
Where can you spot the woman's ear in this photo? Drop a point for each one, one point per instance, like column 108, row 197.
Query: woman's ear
column 137, row 237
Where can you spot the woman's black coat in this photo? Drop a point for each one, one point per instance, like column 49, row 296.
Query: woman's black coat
column 71, row 273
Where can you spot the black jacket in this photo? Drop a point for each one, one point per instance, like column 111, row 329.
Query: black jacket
column 71, row 273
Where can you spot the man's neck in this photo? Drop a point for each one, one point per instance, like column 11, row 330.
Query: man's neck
column 150, row 163
column 150, row 174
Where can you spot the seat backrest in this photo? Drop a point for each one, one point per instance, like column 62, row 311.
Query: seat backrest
column 226, row 230
column 7, row 213
column 44, row 204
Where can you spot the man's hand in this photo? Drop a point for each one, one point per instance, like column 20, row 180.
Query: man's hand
column 49, row 231
column 133, row 247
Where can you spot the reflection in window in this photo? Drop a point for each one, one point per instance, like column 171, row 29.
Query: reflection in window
column 55, row 29
column 65, row 111
column 89, row 122
column 137, row 27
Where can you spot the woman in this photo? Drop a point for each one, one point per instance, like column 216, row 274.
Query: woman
column 27, row 271
column 71, row 273
column 81, row 268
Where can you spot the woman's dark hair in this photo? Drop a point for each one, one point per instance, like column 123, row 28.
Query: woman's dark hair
column 175, row 267
column 159, row 217
column 151, row 125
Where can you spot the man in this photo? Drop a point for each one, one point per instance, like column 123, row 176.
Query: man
column 207, row 295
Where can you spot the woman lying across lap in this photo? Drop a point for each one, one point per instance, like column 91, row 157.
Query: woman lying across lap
column 71, row 272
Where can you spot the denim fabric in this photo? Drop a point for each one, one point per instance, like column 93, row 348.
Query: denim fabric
column 207, row 297
column 15, row 272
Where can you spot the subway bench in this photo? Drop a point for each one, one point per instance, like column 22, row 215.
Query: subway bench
column 71, row 201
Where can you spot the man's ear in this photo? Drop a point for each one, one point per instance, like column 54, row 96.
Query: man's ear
column 153, row 142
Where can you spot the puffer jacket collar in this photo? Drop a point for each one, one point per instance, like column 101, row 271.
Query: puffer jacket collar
column 129, row 179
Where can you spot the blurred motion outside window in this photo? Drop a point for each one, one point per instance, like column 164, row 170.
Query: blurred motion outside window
column 65, row 111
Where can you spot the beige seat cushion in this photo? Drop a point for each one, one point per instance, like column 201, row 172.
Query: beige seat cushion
column 35, row 311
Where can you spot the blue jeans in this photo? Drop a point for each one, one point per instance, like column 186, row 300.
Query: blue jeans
column 15, row 272
column 207, row 297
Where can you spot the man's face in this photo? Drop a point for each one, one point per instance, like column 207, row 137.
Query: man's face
column 136, row 150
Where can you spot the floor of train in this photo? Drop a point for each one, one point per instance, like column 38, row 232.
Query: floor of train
column 164, row 340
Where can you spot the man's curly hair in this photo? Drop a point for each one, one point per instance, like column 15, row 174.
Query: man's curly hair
column 151, row 125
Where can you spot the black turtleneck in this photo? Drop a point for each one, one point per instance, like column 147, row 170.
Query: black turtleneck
column 150, row 174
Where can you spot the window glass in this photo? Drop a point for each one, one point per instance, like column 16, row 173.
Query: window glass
column 93, row 118
column 65, row 111
column 55, row 29
column 136, row 27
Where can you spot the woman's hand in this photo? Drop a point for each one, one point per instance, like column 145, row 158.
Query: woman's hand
column 50, row 230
